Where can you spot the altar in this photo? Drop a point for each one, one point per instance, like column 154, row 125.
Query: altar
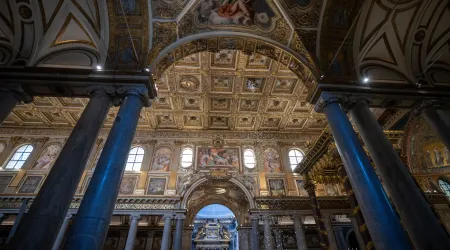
column 212, row 236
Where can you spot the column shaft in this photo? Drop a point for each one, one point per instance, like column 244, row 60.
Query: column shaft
column 165, row 243
column 178, row 234
column 299, row 233
column 255, row 233
column 62, row 232
column 50, row 206
column 420, row 221
column 439, row 122
column 8, row 101
column 382, row 221
column 278, row 239
column 91, row 224
column 330, row 232
column 268, row 239
column 132, row 232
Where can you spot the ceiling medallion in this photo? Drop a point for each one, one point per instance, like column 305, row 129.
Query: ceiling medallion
column 189, row 83
column 253, row 84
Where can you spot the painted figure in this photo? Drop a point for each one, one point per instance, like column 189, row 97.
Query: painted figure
column 272, row 161
column 47, row 157
column 156, row 186
column 162, row 160
column 218, row 158
column 127, row 185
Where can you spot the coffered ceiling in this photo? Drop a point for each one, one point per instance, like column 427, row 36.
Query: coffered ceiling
column 227, row 90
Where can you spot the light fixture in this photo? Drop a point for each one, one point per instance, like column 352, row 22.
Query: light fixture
column 99, row 67
column 147, row 69
column 366, row 80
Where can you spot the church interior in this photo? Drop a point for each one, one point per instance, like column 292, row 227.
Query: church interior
column 225, row 125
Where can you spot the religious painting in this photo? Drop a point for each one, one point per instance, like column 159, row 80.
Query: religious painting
column 331, row 189
column 162, row 159
column 156, row 186
column 272, row 161
column 218, row 158
column 276, row 187
column 5, row 180
column 128, row 184
column 301, row 187
column 47, row 158
column 225, row 13
column 436, row 155
column 30, row 184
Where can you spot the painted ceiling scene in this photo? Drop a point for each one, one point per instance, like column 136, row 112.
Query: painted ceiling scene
column 234, row 65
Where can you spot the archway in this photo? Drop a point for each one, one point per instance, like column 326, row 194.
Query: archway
column 215, row 227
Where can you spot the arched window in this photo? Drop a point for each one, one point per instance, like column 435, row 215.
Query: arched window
column 19, row 157
column 249, row 158
column 186, row 157
column 135, row 158
column 445, row 187
column 295, row 157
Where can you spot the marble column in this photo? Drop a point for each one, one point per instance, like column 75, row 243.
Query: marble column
column 62, row 232
column 330, row 231
column 278, row 239
column 425, row 230
column 10, row 96
column 255, row 232
column 51, row 204
column 382, row 221
column 165, row 243
column 134, row 222
column 310, row 188
column 340, row 238
column 299, row 232
column 90, row 226
column 437, row 115
column 268, row 239
column 177, row 241
column 359, row 236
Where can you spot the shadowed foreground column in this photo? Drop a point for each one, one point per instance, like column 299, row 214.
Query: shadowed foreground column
column 10, row 96
column 420, row 221
column 382, row 221
column 40, row 226
column 91, row 223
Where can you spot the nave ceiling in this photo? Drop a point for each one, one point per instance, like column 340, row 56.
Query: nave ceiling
column 288, row 42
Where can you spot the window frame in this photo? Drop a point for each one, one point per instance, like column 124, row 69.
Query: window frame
column 19, row 159
column 296, row 157
column 134, row 162
column 445, row 188
column 191, row 162
column 253, row 158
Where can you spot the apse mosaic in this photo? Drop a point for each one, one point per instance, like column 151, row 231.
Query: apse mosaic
column 426, row 152
column 218, row 158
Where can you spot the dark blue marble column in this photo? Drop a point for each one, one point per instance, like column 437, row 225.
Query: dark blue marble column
column 178, row 238
column 40, row 226
column 382, row 221
column 255, row 232
column 420, row 222
column 91, row 223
